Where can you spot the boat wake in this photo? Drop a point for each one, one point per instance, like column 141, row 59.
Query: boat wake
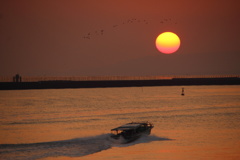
column 142, row 139
column 69, row 148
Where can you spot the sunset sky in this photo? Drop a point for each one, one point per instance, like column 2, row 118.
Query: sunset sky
column 117, row 37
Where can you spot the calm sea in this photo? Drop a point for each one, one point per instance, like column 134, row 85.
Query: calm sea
column 75, row 123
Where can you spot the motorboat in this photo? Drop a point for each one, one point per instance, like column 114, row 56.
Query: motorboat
column 131, row 131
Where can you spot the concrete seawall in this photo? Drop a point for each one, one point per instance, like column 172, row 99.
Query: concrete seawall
column 118, row 83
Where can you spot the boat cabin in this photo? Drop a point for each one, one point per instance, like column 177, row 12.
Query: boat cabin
column 132, row 129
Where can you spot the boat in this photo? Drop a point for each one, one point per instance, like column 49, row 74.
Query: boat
column 131, row 131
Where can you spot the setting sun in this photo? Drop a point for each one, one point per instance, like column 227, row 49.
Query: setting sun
column 167, row 42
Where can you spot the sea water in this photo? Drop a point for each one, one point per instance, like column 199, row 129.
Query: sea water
column 75, row 123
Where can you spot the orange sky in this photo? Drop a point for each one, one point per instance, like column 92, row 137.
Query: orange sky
column 105, row 37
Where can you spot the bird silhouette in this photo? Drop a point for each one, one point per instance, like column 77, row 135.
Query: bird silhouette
column 130, row 21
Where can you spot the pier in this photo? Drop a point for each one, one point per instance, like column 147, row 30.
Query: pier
column 115, row 81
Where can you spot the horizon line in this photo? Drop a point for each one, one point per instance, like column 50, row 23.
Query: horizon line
column 110, row 78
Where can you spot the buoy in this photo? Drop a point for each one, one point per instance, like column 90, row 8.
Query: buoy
column 182, row 92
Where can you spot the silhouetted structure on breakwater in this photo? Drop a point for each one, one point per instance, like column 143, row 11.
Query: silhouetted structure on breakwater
column 119, row 83
column 17, row 78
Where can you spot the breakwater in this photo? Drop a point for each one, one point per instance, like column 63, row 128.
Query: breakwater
column 61, row 84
